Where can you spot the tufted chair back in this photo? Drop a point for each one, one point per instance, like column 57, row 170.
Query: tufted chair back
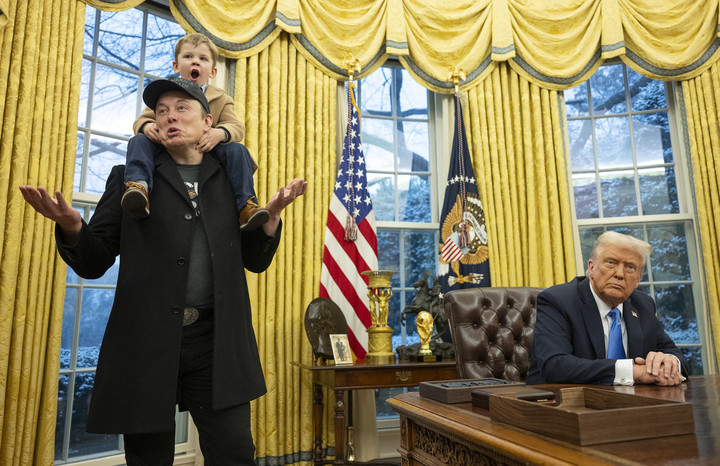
column 492, row 330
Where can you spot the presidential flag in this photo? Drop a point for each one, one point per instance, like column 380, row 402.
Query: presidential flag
column 463, row 238
column 350, row 236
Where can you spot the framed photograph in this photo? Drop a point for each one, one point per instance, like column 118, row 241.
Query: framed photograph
column 341, row 348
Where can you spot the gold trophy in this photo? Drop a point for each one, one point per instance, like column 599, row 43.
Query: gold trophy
column 424, row 321
column 379, row 334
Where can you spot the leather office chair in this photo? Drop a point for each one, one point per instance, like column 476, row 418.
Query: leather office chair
column 492, row 330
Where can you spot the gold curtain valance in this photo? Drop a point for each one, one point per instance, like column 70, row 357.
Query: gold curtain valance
column 553, row 44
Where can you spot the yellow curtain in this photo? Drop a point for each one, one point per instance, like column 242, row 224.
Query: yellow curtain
column 289, row 110
column 515, row 134
column 701, row 97
column 37, row 147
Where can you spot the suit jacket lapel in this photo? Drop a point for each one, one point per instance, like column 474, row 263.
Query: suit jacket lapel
column 591, row 314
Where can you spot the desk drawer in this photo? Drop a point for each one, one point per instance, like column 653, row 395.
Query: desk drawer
column 392, row 376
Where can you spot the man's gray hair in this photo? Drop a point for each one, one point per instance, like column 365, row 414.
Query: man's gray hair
column 643, row 248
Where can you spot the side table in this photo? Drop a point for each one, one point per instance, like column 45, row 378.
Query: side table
column 361, row 375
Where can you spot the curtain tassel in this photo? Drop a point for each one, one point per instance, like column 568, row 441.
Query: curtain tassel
column 350, row 229
column 463, row 234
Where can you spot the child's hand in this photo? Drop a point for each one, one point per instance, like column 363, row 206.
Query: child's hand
column 210, row 139
column 152, row 132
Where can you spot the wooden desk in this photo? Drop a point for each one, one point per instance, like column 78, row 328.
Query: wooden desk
column 438, row 433
column 360, row 375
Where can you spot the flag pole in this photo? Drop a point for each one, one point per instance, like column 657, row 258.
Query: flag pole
column 457, row 74
column 352, row 65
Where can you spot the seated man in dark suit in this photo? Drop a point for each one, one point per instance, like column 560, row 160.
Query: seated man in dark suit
column 575, row 340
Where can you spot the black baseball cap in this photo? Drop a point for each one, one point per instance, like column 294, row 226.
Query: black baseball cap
column 155, row 89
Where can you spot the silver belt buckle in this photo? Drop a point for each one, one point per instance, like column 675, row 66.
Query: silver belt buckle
column 190, row 315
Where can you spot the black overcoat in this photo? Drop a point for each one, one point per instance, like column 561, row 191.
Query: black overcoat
column 136, row 381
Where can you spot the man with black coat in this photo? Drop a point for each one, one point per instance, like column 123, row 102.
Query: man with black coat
column 180, row 330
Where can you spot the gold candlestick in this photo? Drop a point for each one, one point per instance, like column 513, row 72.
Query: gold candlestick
column 379, row 334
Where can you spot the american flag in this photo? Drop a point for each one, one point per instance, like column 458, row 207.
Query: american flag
column 350, row 236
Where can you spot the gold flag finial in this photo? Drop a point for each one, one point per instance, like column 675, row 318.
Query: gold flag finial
column 351, row 64
column 456, row 74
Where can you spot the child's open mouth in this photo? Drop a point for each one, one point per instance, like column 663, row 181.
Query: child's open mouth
column 194, row 74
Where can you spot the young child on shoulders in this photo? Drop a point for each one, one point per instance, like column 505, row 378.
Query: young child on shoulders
column 195, row 58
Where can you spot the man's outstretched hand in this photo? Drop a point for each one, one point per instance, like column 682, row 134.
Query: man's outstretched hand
column 56, row 209
column 283, row 198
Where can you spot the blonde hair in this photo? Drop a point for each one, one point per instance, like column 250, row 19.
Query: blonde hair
column 197, row 39
column 641, row 247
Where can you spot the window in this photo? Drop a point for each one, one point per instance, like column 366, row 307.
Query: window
column 122, row 52
column 397, row 123
column 627, row 176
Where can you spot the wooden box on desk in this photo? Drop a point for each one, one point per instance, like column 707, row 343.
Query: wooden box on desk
column 591, row 416
column 458, row 390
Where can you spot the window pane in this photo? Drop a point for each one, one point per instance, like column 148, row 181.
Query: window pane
column 410, row 327
column 670, row 261
column 676, row 311
column 103, row 155
column 68, row 327
column 618, row 194
column 79, row 161
column 375, row 93
column 422, row 245
column 96, row 305
column 377, row 141
column 652, row 139
column 414, row 198
column 114, row 101
column 645, row 93
column 585, row 190
column 382, row 191
column 607, row 90
column 658, row 191
column 576, row 101
column 89, row 37
column 693, row 354
column 382, row 409
column 613, row 142
column 413, row 146
column 413, row 96
column 389, row 244
column 82, row 443
column 394, row 305
column 121, row 37
column 581, row 145
column 160, row 49
column 84, row 92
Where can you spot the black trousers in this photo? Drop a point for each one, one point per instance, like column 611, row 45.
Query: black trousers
column 225, row 435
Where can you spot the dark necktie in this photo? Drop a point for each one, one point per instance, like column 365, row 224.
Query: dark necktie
column 615, row 342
